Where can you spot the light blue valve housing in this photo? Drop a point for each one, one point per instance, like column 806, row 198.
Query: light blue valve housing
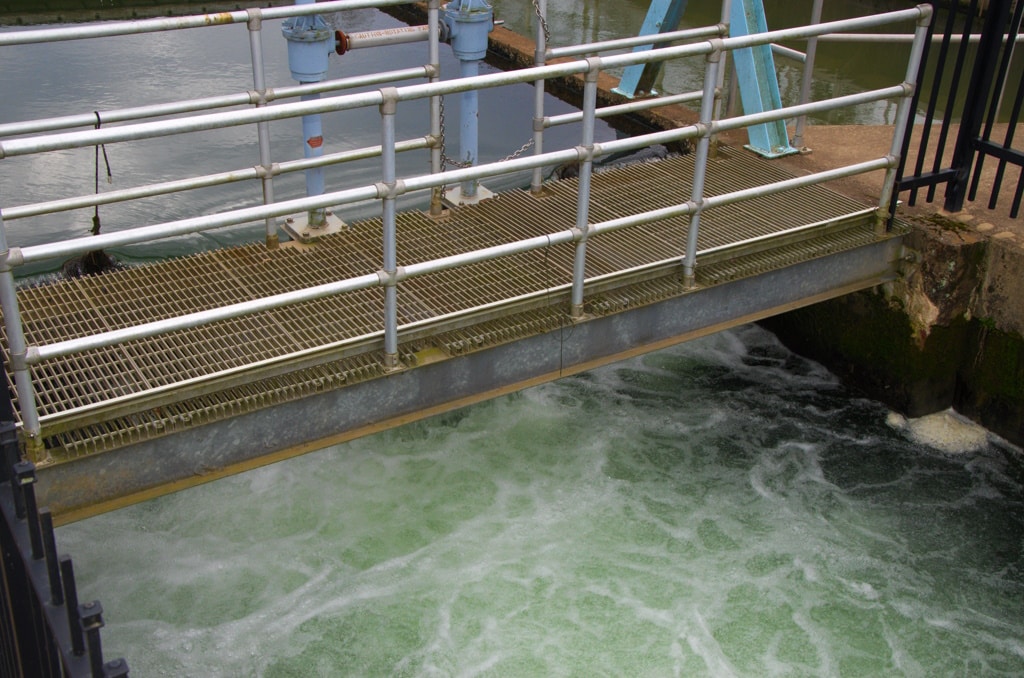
column 310, row 40
column 469, row 22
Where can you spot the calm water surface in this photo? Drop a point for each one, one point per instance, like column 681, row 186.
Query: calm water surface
column 721, row 508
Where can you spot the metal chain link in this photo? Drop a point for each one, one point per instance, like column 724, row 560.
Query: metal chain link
column 543, row 23
column 446, row 160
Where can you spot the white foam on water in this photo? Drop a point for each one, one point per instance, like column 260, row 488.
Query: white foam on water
column 947, row 431
column 678, row 514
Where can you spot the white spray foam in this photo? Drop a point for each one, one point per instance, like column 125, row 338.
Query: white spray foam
column 946, row 431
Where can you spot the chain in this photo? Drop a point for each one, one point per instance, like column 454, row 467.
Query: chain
column 543, row 23
column 446, row 160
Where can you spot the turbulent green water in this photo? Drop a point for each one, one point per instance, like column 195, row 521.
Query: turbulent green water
column 721, row 508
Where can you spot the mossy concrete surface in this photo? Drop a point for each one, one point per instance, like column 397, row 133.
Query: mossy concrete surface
column 946, row 334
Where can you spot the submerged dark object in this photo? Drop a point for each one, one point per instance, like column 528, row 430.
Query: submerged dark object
column 571, row 169
column 90, row 263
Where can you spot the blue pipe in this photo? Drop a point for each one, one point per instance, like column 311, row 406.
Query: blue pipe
column 310, row 40
column 469, row 119
column 469, row 22
column 313, row 147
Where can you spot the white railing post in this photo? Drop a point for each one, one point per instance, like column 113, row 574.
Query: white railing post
column 707, row 109
column 586, row 152
column 17, row 346
column 805, row 83
column 434, row 57
column 538, row 92
column 900, row 129
column 388, row 108
column 259, row 83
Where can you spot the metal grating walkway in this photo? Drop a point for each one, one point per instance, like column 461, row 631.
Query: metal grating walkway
column 93, row 401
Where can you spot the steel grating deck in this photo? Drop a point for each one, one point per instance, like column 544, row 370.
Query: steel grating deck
column 94, row 401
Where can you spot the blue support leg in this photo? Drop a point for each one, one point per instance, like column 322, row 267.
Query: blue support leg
column 758, row 81
column 663, row 16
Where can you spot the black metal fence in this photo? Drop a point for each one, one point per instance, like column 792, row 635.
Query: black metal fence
column 44, row 631
column 968, row 101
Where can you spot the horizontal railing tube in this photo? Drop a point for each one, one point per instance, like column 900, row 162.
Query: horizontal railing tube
column 148, row 130
column 37, row 354
column 620, row 109
column 193, row 105
column 626, row 43
column 80, row 245
column 222, row 178
column 392, row 187
column 114, row 28
column 68, row 248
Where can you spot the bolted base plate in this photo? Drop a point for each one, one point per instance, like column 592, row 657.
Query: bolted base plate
column 454, row 197
column 297, row 226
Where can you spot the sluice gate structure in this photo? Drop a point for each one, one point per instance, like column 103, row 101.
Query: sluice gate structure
column 138, row 381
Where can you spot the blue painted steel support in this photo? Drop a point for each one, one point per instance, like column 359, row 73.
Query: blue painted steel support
column 310, row 40
column 758, row 82
column 313, row 147
column 469, row 126
column 662, row 16
column 469, row 22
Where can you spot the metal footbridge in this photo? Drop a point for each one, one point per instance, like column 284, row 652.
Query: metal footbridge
column 136, row 381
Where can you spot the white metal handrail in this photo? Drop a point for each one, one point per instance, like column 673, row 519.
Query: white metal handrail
column 391, row 187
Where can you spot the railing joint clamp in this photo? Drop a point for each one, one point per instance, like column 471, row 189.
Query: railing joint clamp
column 267, row 171
column 386, row 191
column 391, row 278
column 594, row 65
column 717, row 47
column 432, row 70
column 19, row 359
column 255, row 20
column 11, row 259
column 389, row 100
column 261, row 98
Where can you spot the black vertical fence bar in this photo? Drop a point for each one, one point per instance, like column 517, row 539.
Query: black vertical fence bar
column 959, row 66
column 992, row 111
column 979, row 92
column 1003, row 81
column 912, row 113
column 40, row 631
column 25, row 477
column 67, row 569
column 50, row 553
column 91, row 614
column 980, row 89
